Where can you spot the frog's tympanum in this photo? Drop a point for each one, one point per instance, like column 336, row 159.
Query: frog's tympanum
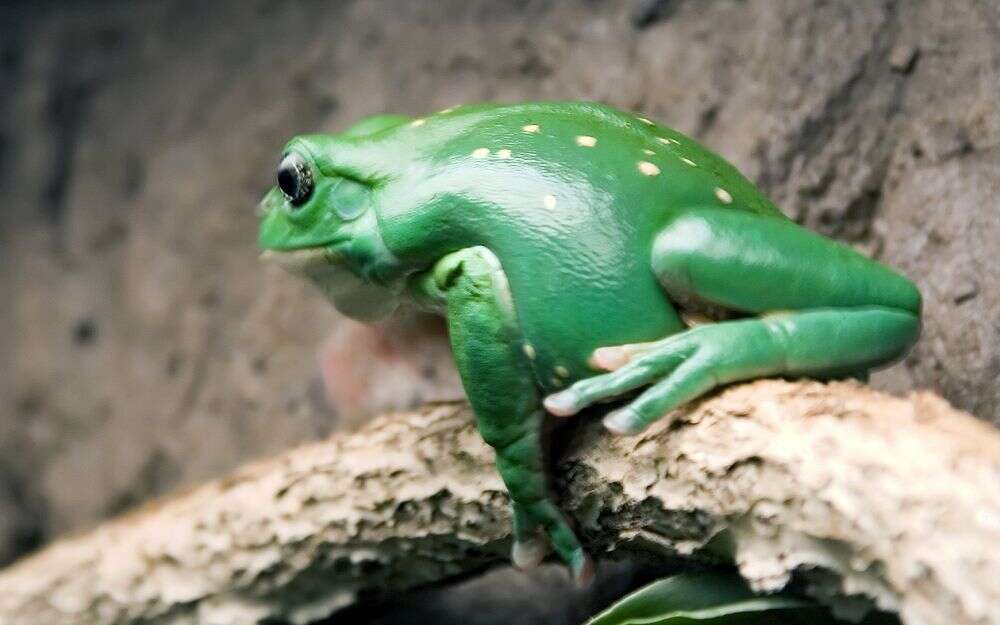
column 578, row 253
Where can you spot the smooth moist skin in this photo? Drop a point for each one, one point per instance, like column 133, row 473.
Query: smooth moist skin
column 570, row 246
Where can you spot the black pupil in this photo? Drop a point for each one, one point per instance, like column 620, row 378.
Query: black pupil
column 288, row 180
column 295, row 179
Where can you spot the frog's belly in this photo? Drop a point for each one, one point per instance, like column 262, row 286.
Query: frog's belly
column 566, row 310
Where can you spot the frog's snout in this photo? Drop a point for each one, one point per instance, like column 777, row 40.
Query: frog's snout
column 263, row 208
column 268, row 204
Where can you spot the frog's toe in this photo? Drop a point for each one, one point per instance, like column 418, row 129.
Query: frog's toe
column 568, row 402
column 563, row 404
column 591, row 390
column 583, row 570
column 528, row 553
column 530, row 545
column 617, row 356
column 624, row 422
column 563, row 539
column 610, row 358
column 691, row 379
column 633, row 366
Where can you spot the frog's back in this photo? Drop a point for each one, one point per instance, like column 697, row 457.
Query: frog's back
column 589, row 136
column 569, row 195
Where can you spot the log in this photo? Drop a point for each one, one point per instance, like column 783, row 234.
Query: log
column 860, row 497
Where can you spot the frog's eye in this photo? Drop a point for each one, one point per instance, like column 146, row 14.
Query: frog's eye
column 295, row 179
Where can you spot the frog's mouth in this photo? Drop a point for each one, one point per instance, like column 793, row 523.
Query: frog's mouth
column 326, row 268
column 297, row 262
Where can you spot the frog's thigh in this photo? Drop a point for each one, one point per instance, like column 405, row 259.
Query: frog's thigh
column 499, row 383
column 757, row 264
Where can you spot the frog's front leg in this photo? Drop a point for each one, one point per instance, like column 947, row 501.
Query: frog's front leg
column 820, row 309
column 471, row 287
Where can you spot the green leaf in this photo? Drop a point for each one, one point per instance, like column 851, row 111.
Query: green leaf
column 709, row 599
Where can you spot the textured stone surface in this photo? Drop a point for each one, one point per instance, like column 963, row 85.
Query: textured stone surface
column 142, row 345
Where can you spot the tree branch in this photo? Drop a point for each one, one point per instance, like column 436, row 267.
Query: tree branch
column 856, row 492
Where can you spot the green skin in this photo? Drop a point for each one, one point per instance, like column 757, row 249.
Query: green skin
column 566, row 239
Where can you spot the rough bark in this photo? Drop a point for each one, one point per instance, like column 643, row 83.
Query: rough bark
column 860, row 495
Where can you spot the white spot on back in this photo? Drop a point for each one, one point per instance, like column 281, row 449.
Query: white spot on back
column 645, row 121
column 648, row 168
column 529, row 351
column 530, row 128
column 562, row 371
column 585, row 141
column 446, row 111
column 688, row 161
column 480, row 153
column 648, row 152
column 663, row 140
column 723, row 195
column 418, row 122
column 503, row 153
column 550, row 201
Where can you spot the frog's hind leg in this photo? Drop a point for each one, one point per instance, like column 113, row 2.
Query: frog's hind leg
column 471, row 287
column 820, row 309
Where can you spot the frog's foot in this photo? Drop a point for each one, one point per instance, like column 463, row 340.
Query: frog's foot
column 530, row 547
column 819, row 343
column 667, row 365
column 531, row 523
column 536, row 516
column 528, row 553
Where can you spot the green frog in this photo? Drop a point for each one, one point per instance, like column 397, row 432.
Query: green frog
column 579, row 254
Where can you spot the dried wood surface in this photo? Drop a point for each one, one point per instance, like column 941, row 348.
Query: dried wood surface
column 857, row 494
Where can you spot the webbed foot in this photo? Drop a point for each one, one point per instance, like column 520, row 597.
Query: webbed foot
column 821, row 342
column 678, row 368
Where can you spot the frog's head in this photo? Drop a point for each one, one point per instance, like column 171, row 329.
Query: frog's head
column 318, row 222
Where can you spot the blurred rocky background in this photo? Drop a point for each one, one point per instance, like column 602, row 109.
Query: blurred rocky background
column 144, row 348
